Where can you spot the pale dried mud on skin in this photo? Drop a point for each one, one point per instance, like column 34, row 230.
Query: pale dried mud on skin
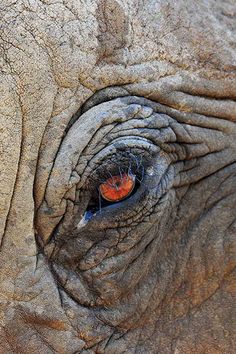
column 62, row 61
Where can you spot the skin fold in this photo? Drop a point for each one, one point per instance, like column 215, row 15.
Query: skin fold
column 90, row 88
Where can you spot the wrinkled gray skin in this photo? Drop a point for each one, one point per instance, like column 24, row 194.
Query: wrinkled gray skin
column 84, row 80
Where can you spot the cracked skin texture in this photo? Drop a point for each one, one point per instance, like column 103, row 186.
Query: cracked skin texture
column 178, row 57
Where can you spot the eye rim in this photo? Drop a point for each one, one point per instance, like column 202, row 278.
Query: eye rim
column 96, row 215
column 131, row 210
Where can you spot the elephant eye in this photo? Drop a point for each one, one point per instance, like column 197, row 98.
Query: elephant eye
column 117, row 188
column 114, row 181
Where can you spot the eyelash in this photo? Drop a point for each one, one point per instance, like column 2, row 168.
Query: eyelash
column 114, row 166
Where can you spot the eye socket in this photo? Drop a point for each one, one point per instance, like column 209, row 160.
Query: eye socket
column 117, row 188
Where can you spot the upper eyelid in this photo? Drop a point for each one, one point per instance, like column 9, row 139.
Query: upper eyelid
column 156, row 122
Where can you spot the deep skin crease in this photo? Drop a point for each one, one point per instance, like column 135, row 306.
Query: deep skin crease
column 85, row 86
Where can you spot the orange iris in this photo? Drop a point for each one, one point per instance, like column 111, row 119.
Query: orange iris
column 117, row 188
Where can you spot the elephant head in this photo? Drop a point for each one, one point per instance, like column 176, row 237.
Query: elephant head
column 117, row 175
